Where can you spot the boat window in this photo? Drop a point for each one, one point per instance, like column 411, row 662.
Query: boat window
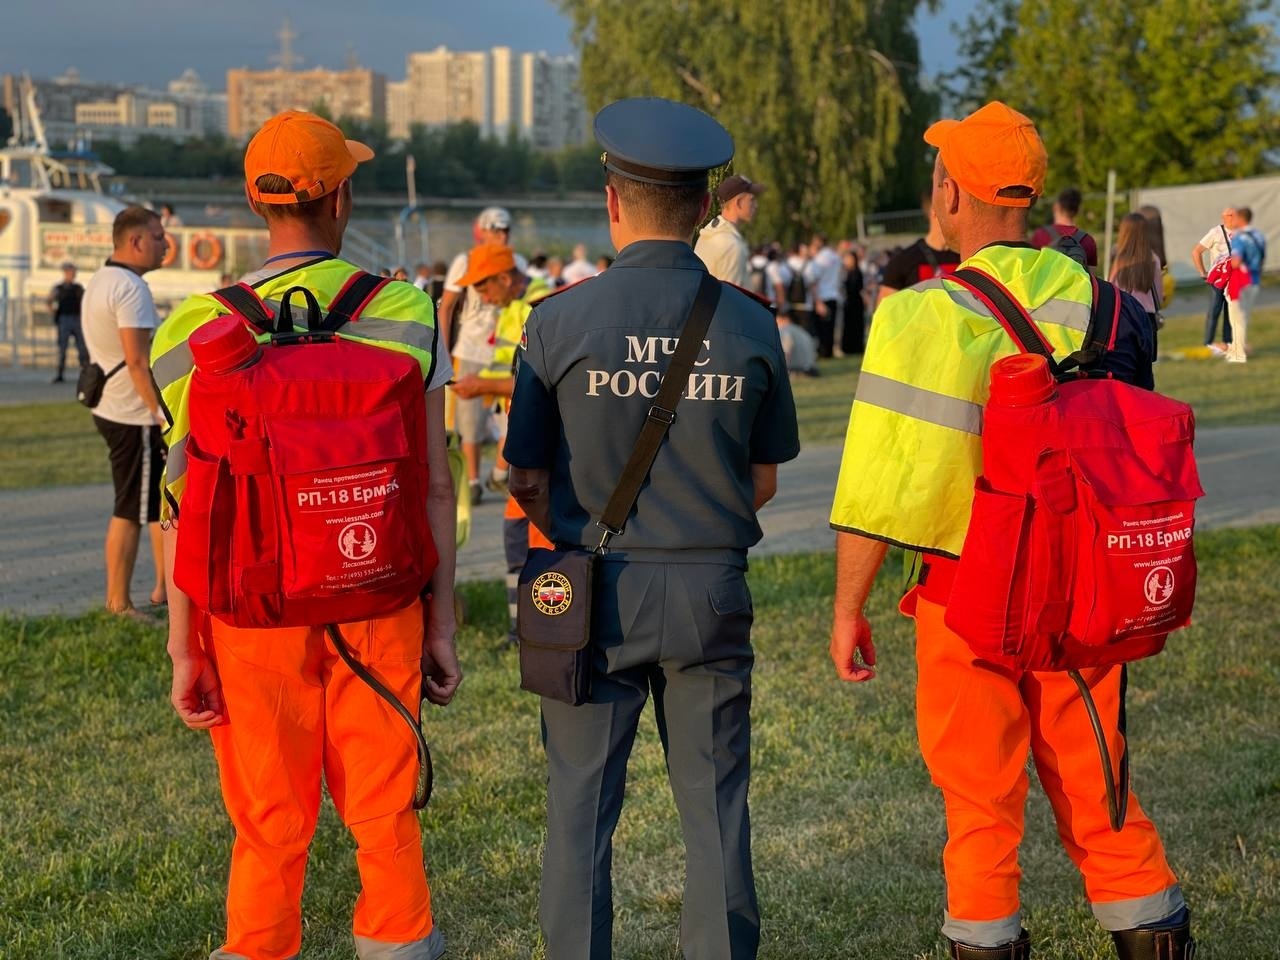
column 53, row 210
column 20, row 172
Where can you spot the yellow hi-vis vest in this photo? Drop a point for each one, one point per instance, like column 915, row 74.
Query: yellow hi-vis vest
column 400, row 317
column 914, row 444
column 510, row 328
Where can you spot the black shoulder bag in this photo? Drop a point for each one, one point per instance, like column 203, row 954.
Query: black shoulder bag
column 92, row 381
column 553, row 613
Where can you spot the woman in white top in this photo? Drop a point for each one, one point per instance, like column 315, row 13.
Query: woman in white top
column 1136, row 269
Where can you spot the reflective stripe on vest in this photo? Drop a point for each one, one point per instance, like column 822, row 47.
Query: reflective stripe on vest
column 401, row 317
column 913, row 447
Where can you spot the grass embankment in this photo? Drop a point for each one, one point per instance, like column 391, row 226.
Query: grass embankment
column 114, row 845
column 55, row 444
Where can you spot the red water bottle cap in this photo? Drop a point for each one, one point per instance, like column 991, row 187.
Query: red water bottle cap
column 222, row 345
column 1023, row 380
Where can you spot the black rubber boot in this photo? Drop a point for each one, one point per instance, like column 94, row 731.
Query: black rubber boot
column 1169, row 943
column 1020, row 949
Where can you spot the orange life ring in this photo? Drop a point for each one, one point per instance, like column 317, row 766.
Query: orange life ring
column 212, row 254
column 170, row 250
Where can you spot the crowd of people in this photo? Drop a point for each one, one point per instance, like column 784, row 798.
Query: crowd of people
column 515, row 351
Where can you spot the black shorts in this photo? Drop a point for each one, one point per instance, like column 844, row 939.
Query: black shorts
column 137, row 465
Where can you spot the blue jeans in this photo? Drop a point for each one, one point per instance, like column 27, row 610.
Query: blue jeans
column 1217, row 305
column 68, row 328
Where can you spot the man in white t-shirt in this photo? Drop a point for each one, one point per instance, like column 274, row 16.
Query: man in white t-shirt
column 579, row 268
column 468, row 324
column 1213, row 246
column 118, row 316
column 777, row 280
column 826, row 299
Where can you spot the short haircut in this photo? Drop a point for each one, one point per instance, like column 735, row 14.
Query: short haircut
column 1069, row 200
column 672, row 210
column 274, row 183
column 129, row 221
column 1245, row 214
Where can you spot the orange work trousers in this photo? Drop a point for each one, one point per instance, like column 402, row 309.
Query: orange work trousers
column 976, row 722
column 295, row 712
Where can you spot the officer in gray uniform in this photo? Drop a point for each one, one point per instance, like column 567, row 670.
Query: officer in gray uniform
column 672, row 614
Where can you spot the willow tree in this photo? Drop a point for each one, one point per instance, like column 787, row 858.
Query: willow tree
column 814, row 106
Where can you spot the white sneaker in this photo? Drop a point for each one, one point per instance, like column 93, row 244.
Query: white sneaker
column 1216, row 350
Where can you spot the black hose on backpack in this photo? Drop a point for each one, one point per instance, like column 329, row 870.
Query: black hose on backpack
column 426, row 775
column 1117, row 793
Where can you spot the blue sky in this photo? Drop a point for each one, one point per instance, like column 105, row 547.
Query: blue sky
column 152, row 41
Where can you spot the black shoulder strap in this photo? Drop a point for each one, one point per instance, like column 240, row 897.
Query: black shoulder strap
column 352, row 299
column 1100, row 336
column 243, row 299
column 1104, row 317
column 1006, row 310
column 663, row 412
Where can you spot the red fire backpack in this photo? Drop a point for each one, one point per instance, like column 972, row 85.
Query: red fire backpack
column 305, row 501
column 1079, row 551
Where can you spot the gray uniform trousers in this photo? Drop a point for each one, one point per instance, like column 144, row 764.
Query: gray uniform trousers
column 682, row 631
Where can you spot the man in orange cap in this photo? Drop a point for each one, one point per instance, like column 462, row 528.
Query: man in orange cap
column 500, row 283
column 283, row 709
column 911, row 456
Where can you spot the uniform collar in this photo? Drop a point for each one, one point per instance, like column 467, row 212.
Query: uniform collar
column 674, row 254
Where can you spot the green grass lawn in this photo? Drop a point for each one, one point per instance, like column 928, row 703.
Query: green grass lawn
column 114, row 844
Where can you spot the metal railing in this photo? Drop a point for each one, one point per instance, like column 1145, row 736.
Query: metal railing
column 28, row 335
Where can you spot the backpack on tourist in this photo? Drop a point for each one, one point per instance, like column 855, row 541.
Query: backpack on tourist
column 1069, row 244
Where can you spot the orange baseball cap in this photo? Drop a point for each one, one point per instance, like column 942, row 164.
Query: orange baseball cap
column 485, row 261
column 993, row 148
column 307, row 150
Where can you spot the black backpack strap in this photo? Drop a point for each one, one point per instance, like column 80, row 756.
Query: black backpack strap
column 663, row 412
column 243, row 299
column 1007, row 311
column 352, row 299
column 1104, row 316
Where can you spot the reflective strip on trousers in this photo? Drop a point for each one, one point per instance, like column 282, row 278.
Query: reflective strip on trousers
column 919, row 403
column 428, row 948
column 983, row 933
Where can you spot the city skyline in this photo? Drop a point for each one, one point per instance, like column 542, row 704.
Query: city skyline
column 237, row 34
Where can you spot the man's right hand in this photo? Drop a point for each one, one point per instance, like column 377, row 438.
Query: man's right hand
column 196, row 693
column 851, row 636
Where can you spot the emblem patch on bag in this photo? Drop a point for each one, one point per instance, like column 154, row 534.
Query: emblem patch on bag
column 552, row 593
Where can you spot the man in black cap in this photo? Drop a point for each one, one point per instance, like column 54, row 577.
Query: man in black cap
column 720, row 243
column 672, row 613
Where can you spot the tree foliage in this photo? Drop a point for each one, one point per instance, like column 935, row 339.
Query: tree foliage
column 1163, row 92
column 812, row 90
column 451, row 161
